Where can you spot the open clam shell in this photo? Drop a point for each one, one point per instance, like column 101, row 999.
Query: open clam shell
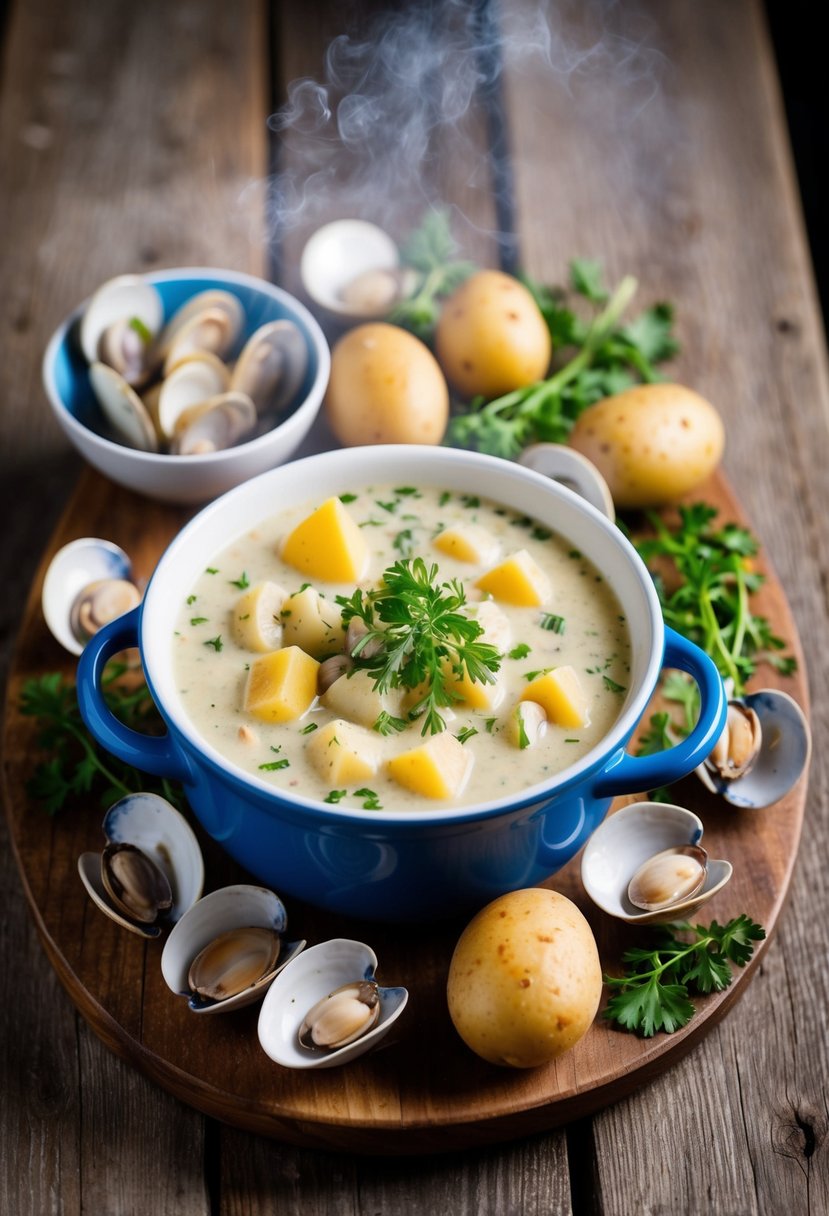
column 272, row 366
column 621, row 845
column 203, row 301
column 223, row 912
column 334, row 265
column 129, row 297
column 212, row 330
column 149, row 823
column 317, row 972
column 196, row 379
column 785, row 746
column 215, row 424
column 123, row 408
column 74, row 569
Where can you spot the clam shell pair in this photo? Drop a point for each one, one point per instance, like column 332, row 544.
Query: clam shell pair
column 351, row 268
column 88, row 583
column 200, row 405
column 651, row 850
column 762, row 752
column 151, row 871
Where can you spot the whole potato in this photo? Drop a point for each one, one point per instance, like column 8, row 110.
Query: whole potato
column 525, row 980
column 491, row 337
column 652, row 443
column 385, row 387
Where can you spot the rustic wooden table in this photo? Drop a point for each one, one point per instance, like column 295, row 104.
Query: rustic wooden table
column 650, row 136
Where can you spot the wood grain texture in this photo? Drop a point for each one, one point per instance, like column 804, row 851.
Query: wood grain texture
column 115, row 121
column 703, row 207
column 422, row 1092
column 677, row 148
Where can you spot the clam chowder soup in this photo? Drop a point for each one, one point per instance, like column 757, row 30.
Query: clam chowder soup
column 400, row 648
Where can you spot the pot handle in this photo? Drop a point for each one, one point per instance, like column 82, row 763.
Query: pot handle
column 158, row 755
column 630, row 774
column 572, row 470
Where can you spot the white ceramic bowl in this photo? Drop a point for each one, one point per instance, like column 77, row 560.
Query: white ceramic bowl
column 407, row 864
column 186, row 479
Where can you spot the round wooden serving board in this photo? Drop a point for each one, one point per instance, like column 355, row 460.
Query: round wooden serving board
column 422, row 1091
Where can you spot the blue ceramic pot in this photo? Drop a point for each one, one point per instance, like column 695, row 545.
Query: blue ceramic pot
column 404, row 865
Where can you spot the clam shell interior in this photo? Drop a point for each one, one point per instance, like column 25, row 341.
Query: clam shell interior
column 317, row 972
column 337, row 254
column 159, row 830
column 784, row 753
column 74, row 567
column 625, row 841
column 229, row 908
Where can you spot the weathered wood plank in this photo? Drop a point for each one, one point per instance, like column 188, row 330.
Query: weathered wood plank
column 671, row 162
column 529, row 1179
column 129, row 139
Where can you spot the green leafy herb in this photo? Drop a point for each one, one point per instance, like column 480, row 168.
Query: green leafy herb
column 198, row 620
column 466, row 733
column 706, row 596
column 212, row 570
column 489, row 723
column 655, row 991
column 444, row 498
column 608, row 358
column 191, row 599
column 273, row 766
column 539, row 533
column 404, row 542
column 241, row 582
column 552, row 623
column 386, row 724
column 306, row 730
column 408, row 492
column 216, row 642
column 430, row 251
column 532, row 675
column 520, row 651
column 470, row 501
column 426, row 640
column 658, row 737
column 523, row 737
column 370, row 800
column 612, row 686
column 347, row 498
column 138, row 326
column 335, row 796
column 77, row 766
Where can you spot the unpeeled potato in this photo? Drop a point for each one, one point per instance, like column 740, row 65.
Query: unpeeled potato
column 525, row 979
column 652, row 443
column 385, row 387
column 491, row 337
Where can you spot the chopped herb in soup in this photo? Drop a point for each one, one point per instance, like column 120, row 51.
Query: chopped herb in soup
column 401, row 647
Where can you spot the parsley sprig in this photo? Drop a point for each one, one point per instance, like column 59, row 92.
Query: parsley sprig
column 430, row 251
column 427, row 641
column 608, row 357
column 655, row 991
column 706, row 594
column 77, row 767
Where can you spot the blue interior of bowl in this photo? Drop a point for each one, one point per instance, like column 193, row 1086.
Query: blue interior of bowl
column 71, row 371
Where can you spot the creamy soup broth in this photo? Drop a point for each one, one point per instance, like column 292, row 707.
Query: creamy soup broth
column 591, row 637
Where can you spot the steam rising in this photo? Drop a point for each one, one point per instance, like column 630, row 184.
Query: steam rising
column 419, row 95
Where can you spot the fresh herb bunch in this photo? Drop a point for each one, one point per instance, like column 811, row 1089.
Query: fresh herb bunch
column 426, row 640
column 705, row 595
column 655, row 992
column 77, row 766
column 430, row 251
column 609, row 357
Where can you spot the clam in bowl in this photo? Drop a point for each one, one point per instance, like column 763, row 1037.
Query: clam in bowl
column 77, row 387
